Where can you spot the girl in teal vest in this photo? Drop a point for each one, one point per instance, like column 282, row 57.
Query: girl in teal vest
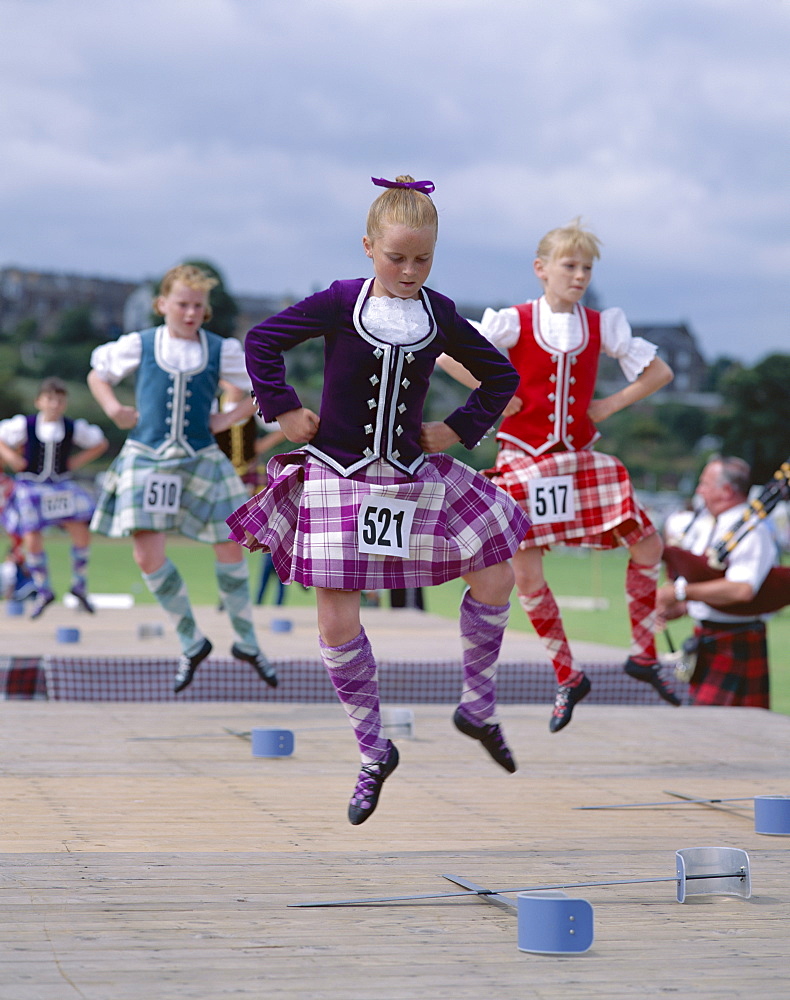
column 170, row 474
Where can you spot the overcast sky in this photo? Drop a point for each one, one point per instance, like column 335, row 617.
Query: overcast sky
column 245, row 132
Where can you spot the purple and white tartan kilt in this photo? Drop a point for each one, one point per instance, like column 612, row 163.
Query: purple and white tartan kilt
column 607, row 512
column 307, row 519
column 34, row 506
column 210, row 492
column 732, row 666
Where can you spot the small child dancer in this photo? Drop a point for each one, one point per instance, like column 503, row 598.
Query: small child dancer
column 546, row 461
column 170, row 474
column 44, row 450
column 361, row 506
column 243, row 447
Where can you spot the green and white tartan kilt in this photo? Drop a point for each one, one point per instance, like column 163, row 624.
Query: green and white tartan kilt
column 210, row 492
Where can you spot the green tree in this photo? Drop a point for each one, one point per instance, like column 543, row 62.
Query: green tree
column 717, row 371
column 24, row 340
column 24, row 331
column 10, row 400
column 684, row 424
column 76, row 326
column 657, row 442
column 67, row 351
column 755, row 424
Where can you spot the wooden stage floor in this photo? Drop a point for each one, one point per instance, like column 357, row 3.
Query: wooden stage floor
column 144, row 853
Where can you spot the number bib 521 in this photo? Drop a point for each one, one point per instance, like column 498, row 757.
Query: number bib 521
column 162, row 493
column 384, row 526
column 551, row 499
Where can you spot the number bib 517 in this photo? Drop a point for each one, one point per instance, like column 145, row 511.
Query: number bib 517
column 551, row 499
column 162, row 493
column 384, row 526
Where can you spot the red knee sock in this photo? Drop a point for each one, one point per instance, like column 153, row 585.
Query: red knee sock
column 542, row 610
column 640, row 592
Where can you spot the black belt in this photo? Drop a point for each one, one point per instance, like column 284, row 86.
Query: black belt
column 731, row 626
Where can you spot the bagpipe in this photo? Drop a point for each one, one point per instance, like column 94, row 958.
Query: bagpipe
column 775, row 591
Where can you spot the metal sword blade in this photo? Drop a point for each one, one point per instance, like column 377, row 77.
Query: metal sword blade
column 487, row 895
column 388, row 899
column 716, row 804
column 496, row 892
column 686, row 800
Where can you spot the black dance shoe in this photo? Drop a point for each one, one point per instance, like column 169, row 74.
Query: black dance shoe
column 491, row 736
column 43, row 600
column 82, row 597
column 371, row 778
column 262, row 667
column 187, row 665
column 564, row 701
column 650, row 673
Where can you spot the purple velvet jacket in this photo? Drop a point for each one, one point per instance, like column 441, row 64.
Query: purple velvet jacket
column 374, row 392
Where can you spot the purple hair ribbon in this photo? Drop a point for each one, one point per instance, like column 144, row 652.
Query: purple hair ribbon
column 424, row 187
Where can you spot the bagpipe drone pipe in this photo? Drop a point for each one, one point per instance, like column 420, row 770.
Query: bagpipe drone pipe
column 775, row 591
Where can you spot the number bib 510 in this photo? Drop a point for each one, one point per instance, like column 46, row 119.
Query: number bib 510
column 384, row 526
column 551, row 499
column 162, row 493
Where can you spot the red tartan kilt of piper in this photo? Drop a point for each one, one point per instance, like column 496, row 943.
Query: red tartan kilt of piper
column 732, row 667
column 607, row 512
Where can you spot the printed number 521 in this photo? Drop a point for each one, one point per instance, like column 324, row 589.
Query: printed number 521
column 384, row 526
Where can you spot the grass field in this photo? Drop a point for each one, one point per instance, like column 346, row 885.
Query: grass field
column 572, row 573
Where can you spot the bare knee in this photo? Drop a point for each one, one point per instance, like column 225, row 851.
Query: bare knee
column 228, row 553
column 647, row 551
column 492, row 585
column 34, row 542
column 148, row 551
column 338, row 615
column 79, row 533
column 528, row 568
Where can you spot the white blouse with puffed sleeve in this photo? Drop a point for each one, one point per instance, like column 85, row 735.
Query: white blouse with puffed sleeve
column 563, row 332
column 120, row 358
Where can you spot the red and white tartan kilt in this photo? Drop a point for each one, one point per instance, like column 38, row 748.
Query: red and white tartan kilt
column 307, row 518
column 732, row 667
column 607, row 512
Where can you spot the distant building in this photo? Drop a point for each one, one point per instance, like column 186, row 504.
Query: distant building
column 116, row 306
column 253, row 309
column 121, row 306
column 45, row 297
column 678, row 347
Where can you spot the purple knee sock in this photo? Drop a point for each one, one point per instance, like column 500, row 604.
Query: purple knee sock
column 352, row 671
column 482, row 628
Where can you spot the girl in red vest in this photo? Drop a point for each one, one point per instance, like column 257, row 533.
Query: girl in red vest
column 573, row 494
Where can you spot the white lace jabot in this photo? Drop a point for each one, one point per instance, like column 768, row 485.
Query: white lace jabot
column 395, row 321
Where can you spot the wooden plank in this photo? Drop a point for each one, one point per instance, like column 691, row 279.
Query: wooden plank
column 145, row 852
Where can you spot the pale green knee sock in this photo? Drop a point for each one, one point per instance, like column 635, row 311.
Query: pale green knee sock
column 169, row 589
column 234, row 589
